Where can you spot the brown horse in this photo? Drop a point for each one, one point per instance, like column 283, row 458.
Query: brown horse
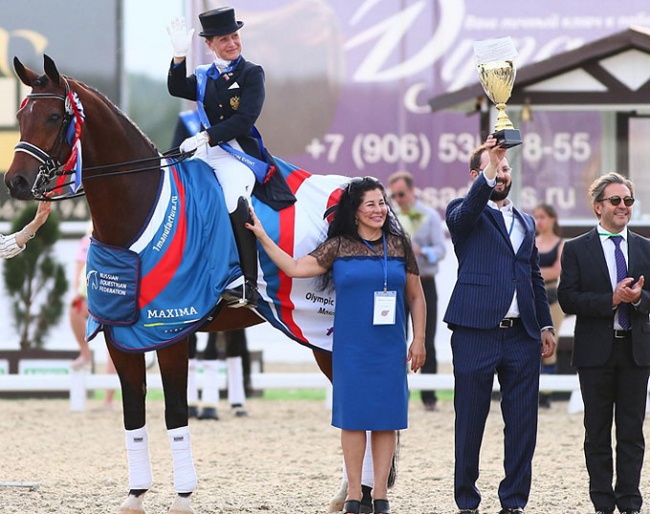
column 114, row 148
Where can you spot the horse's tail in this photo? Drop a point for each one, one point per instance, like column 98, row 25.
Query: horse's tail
column 392, row 475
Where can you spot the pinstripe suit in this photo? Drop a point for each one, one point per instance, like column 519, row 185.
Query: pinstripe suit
column 9, row 247
column 489, row 273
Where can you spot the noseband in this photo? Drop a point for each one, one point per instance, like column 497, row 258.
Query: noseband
column 50, row 166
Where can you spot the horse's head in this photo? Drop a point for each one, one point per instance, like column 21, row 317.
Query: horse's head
column 43, row 120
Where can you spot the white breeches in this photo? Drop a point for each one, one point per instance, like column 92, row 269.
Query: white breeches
column 236, row 178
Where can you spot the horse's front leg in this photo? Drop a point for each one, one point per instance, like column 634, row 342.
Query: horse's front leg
column 173, row 362
column 131, row 370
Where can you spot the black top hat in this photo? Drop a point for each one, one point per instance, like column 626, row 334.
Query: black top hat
column 219, row 22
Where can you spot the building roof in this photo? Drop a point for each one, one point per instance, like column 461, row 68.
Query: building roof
column 612, row 73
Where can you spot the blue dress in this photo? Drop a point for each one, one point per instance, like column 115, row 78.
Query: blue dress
column 370, row 390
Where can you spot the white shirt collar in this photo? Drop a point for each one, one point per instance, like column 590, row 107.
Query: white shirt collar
column 606, row 234
column 507, row 206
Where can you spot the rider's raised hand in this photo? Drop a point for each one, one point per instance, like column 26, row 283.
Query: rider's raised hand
column 180, row 37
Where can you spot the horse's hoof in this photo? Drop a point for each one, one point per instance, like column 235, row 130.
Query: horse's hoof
column 336, row 503
column 239, row 411
column 192, row 411
column 132, row 505
column 209, row 413
column 181, row 505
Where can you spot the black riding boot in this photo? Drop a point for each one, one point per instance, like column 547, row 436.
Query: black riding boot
column 246, row 295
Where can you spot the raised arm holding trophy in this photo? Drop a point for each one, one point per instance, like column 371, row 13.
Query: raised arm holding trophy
column 496, row 72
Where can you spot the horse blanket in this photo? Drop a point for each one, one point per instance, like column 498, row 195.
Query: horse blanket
column 170, row 279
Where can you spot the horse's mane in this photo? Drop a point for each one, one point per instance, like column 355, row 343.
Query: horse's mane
column 114, row 108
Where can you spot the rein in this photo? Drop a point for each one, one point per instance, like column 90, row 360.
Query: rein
column 51, row 167
column 163, row 161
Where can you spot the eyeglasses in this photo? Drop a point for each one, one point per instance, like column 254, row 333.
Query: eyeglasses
column 399, row 194
column 616, row 200
column 359, row 180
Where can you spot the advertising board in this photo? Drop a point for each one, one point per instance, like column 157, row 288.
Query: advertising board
column 348, row 84
column 83, row 38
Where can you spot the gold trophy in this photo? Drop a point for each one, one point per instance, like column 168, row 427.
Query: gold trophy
column 497, row 78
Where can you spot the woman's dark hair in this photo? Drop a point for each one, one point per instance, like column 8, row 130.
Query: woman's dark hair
column 345, row 224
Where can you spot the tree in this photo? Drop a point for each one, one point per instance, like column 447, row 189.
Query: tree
column 35, row 282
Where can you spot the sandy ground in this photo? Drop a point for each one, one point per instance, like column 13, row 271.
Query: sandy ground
column 283, row 458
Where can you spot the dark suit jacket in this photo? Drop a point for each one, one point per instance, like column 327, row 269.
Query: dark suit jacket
column 232, row 112
column 489, row 270
column 586, row 291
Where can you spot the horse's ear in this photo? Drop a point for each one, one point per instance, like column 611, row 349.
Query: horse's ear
column 50, row 69
column 26, row 76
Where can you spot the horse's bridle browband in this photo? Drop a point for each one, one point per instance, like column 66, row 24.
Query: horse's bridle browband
column 51, row 167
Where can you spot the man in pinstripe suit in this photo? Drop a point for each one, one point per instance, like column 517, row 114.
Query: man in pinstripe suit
column 501, row 324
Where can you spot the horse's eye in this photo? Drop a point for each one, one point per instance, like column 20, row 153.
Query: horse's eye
column 55, row 117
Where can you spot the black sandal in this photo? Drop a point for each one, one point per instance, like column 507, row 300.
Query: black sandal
column 381, row 506
column 351, row 507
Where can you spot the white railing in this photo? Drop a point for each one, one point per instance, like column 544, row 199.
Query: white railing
column 78, row 383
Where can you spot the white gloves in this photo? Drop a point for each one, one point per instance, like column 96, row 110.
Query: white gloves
column 180, row 37
column 192, row 143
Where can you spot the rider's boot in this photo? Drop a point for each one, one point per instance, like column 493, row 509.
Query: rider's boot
column 244, row 295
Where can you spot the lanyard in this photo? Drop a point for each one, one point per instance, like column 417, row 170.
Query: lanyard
column 384, row 263
column 609, row 234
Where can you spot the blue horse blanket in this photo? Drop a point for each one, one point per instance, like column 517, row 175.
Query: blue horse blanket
column 169, row 281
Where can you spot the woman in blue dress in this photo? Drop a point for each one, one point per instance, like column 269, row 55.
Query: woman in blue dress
column 368, row 259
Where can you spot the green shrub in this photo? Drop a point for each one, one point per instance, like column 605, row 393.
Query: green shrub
column 36, row 282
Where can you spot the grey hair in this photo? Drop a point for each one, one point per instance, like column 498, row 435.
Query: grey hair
column 597, row 187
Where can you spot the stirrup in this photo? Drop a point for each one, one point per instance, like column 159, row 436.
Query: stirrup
column 241, row 296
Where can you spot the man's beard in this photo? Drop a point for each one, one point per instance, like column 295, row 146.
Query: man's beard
column 497, row 196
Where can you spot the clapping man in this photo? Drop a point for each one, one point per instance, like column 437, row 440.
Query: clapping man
column 602, row 283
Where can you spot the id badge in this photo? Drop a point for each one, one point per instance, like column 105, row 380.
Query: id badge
column 384, row 308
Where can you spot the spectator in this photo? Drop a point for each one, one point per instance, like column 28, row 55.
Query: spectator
column 603, row 284
column 549, row 245
column 78, row 313
column 424, row 227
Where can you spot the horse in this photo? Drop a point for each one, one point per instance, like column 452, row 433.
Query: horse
column 121, row 176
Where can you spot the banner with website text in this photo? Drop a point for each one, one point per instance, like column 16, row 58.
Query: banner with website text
column 348, row 85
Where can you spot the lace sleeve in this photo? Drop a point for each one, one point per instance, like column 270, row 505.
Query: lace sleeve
column 411, row 262
column 401, row 247
column 326, row 252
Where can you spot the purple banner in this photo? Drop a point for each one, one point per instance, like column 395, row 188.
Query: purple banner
column 348, row 85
